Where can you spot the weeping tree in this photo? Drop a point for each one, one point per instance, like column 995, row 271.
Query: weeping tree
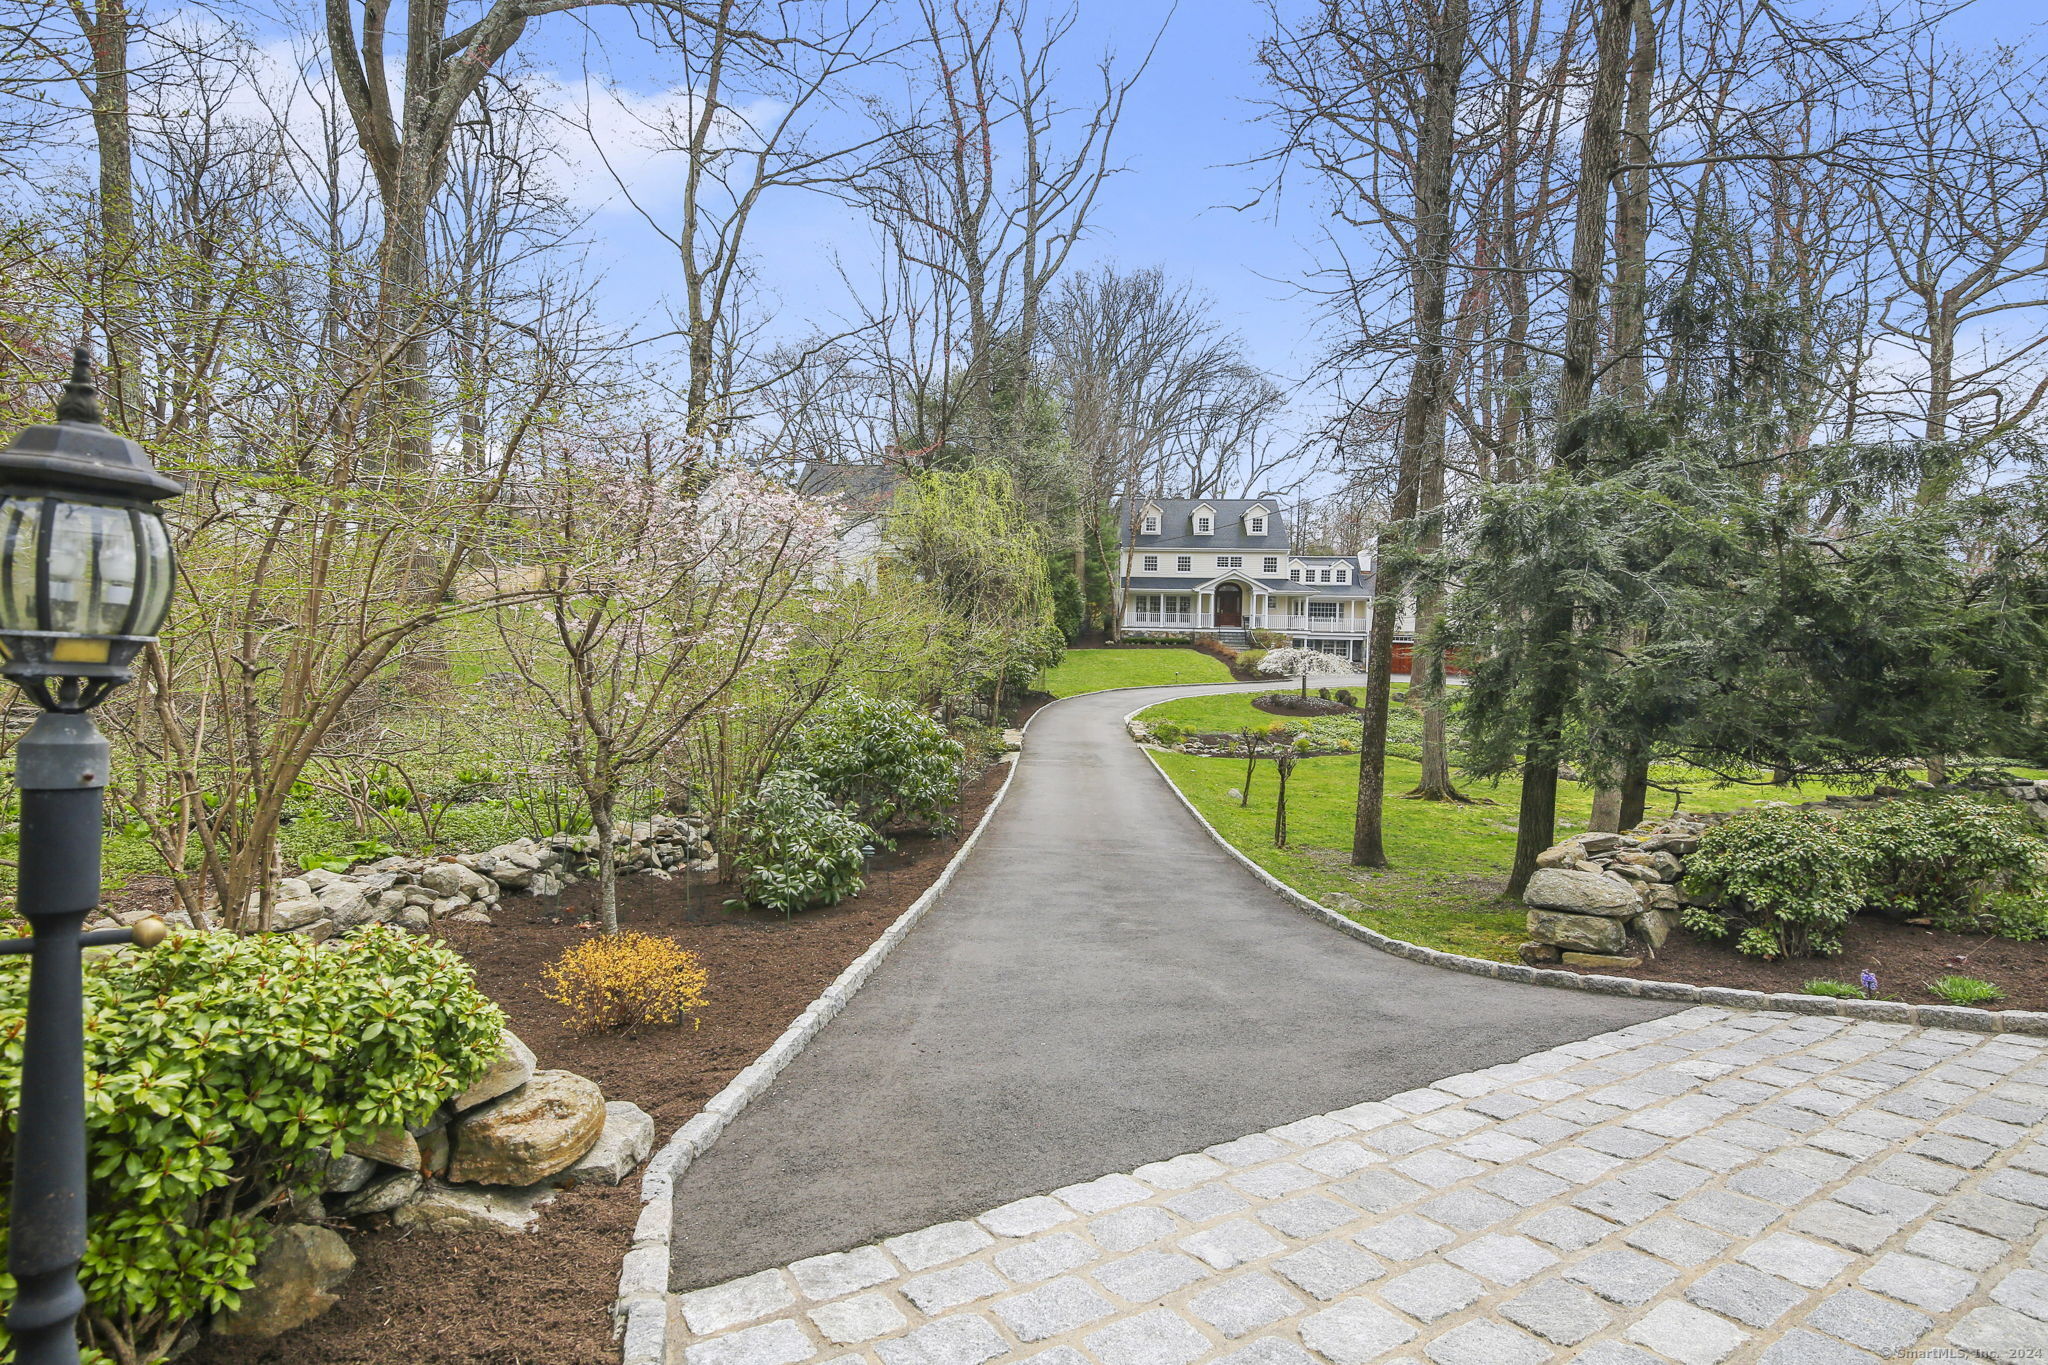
column 966, row 536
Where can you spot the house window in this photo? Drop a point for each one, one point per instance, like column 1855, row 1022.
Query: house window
column 1230, row 561
column 1255, row 526
column 1151, row 527
column 1204, row 525
column 1294, row 575
column 1343, row 574
column 1271, row 564
column 1151, row 563
column 1322, row 611
column 1184, row 564
column 1156, row 609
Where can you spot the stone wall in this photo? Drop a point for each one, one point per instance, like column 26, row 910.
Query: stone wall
column 413, row 893
column 1603, row 900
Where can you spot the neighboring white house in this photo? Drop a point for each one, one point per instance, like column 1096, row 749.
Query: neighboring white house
column 1222, row 566
column 859, row 496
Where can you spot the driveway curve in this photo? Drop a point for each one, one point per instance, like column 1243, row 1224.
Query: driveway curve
column 1101, row 986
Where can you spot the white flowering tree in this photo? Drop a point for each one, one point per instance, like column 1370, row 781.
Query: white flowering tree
column 1289, row 663
column 665, row 582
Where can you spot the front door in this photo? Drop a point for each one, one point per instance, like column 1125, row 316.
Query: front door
column 1229, row 605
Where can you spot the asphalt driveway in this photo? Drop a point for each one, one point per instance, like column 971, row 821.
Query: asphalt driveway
column 1101, row 986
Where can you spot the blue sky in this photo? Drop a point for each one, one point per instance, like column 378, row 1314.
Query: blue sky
column 1188, row 122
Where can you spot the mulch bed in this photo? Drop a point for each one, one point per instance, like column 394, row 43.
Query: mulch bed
column 1294, row 704
column 545, row 1299
column 1905, row 958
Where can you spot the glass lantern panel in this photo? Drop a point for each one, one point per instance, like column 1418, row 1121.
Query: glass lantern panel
column 20, row 529
column 94, row 568
column 158, row 566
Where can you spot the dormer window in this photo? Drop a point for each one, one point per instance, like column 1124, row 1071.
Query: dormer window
column 1343, row 574
column 1255, row 522
column 1204, row 520
column 1150, row 525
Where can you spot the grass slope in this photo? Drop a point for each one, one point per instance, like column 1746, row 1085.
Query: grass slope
column 1097, row 670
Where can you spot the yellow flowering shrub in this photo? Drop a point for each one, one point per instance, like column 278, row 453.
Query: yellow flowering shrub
column 622, row 981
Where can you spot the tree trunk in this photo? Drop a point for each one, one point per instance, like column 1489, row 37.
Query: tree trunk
column 1599, row 153
column 1433, row 187
column 1606, row 817
column 1426, row 675
column 107, row 35
column 607, row 864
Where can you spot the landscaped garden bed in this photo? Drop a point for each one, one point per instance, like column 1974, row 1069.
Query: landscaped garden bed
column 488, row 1299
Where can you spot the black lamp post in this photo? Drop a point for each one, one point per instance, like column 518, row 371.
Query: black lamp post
column 85, row 579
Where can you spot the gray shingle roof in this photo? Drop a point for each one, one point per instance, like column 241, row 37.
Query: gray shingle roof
column 862, row 489
column 1177, row 525
column 1148, row 583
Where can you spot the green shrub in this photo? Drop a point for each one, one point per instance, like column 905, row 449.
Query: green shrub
column 1166, row 732
column 220, row 1071
column 1786, row 881
column 795, row 849
column 1268, row 639
column 1347, row 696
column 1840, row 990
column 1965, row 990
column 1248, row 659
column 1947, row 857
column 887, row 762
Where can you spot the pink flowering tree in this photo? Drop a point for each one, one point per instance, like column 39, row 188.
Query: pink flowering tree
column 664, row 583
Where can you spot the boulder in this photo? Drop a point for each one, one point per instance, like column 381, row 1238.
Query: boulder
column 345, row 903
column 469, row 917
column 513, row 1069
column 1654, row 926
column 454, row 880
column 1540, row 954
column 1580, row 893
column 451, row 1208
column 392, row 1147
column 295, row 1279
column 627, row 1138
column 1680, row 844
column 346, row 1174
column 297, row 913
column 1664, row 897
column 434, row 1149
column 414, row 919
column 1566, row 854
column 383, row 1196
column 1599, row 843
column 1581, row 933
column 539, row 1130
column 545, row 884
column 1600, row 960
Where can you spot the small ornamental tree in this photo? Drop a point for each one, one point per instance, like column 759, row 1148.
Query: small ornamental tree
column 668, row 582
column 1288, row 663
column 221, row 1070
column 887, row 762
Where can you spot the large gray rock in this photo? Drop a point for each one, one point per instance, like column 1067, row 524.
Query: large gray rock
column 1654, row 926
column 295, row 1279
column 513, row 1069
column 627, row 1138
column 450, row 1208
column 541, row 1129
column 391, row 1147
column 346, row 903
column 297, row 913
column 453, row 879
column 1580, row 893
column 1580, row 933
column 393, row 1191
column 346, row 1174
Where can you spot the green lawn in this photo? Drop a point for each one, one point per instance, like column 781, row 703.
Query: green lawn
column 1096, row 670
column 1230, row 712
column 1450, row 861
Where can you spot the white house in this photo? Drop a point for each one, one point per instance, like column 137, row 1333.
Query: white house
column 1222, row 566
column 859, row 496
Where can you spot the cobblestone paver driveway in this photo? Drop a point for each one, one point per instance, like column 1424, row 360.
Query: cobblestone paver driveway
column 1701, row 1188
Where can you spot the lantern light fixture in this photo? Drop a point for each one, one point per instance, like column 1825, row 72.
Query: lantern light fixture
column 85, row 563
